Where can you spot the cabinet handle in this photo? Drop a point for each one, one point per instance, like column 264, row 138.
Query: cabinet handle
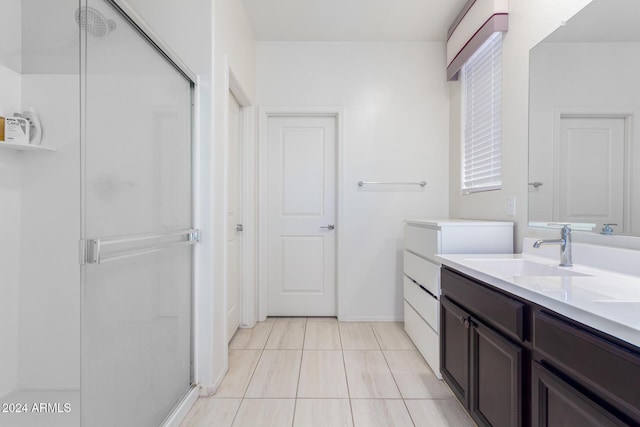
column 455, row 311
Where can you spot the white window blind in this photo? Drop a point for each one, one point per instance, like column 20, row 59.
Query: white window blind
column 482, row 102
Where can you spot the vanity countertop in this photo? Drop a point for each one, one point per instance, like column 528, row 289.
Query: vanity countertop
column 449, row 222
column 602, row 299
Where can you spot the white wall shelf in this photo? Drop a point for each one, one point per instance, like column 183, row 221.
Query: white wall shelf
column 24, row 147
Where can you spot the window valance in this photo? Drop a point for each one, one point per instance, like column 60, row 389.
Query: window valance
column 477, row 21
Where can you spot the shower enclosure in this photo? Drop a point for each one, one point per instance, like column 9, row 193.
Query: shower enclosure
column 96, row 230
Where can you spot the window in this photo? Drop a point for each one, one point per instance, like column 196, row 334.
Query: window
column 482, row 108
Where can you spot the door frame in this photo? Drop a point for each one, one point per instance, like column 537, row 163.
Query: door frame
column 233, row 170
column 248, row 247
column 265, row 113
column 631, row 118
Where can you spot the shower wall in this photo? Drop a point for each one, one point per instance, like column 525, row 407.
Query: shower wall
column 10, row 184
column 10, row 36
column 49, row 333
column 39, row 196
column 10, row 197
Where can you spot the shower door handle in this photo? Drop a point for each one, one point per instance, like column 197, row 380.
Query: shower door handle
column 91, row 250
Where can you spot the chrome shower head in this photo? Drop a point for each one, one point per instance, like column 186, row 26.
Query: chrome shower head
column 95, row 22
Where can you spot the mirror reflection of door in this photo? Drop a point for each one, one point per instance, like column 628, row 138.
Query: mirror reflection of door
column 590, row 180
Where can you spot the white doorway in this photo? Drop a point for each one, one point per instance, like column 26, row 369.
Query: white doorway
column 299, row 215
column 590, row 180
column 234, row 215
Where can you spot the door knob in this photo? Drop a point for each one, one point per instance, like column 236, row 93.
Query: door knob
column 239, row 227
column 329, row 227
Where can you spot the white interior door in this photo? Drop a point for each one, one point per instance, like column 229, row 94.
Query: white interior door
column 234, row 227
column 590, row 181
column 301, row 216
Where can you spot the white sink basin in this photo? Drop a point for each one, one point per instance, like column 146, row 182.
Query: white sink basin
column 522, row 267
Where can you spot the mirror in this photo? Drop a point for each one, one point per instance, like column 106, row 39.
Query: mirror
column 584, row 121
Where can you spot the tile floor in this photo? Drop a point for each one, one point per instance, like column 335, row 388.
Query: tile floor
column 319, row 372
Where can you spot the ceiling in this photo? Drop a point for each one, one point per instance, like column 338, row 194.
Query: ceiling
column 352, row 20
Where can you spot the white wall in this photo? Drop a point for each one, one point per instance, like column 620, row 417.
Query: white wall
column 529, row 23
column 10, row 218
column 395, row 98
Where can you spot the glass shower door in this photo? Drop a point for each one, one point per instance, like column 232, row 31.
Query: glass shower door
column 137, row 225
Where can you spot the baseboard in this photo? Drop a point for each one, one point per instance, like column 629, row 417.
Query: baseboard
column 371, row 319
column 180, row 412
column 211, row 389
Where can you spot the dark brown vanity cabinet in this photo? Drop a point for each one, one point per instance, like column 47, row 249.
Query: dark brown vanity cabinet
column 481, row 359
column 514, row 363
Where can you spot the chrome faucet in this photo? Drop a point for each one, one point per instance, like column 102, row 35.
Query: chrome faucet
column 565, row 246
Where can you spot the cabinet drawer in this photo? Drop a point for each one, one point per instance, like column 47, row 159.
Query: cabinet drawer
column 425, row 339
column 498, row 310
column 425, row 304
column 612, row 372
column 426, row 273
column 554, row 402
column 422, row 241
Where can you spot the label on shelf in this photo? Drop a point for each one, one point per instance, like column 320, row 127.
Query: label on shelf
column 16, row 130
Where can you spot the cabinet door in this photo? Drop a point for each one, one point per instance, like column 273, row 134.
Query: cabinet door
column 454, row 348
column 496, row 378
column 556, row 403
